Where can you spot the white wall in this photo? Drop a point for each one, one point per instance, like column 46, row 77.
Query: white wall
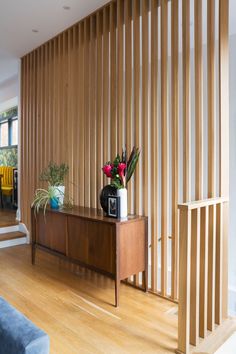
column 8, row 93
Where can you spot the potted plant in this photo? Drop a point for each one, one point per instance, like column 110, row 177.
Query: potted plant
column 45, row 197
column 55, row 175
column 120, row 171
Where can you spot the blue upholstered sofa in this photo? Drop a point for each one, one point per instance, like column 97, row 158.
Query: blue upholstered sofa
column 18, row 335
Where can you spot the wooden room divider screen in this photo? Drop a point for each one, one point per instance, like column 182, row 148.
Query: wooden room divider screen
column 123, row 76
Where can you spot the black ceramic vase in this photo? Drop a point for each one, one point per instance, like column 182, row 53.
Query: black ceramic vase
column 105, row 192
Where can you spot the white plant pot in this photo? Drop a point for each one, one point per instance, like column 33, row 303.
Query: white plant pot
column 59, row 193
column 122, row 193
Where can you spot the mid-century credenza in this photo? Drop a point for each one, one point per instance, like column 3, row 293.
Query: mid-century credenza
column 113, row 247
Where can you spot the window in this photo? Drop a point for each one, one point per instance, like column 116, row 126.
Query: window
column 9, row 128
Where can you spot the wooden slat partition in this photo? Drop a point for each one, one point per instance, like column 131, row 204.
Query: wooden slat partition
column 105, row 83
column 191, row 317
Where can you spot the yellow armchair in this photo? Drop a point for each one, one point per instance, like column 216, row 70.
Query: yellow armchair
column 6, row 180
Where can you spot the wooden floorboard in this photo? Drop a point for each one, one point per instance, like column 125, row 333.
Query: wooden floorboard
column 8, row 218
column 76, row 309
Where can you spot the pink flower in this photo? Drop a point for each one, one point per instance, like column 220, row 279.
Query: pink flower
column 121, row 170
column 107, row 170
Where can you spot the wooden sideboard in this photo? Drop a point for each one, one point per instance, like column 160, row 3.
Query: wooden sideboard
column 113, row 247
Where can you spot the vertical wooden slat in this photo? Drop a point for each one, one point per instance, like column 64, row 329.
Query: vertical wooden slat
column 211, row 96
column 145, row 117
column 41, row 160
column 195, row 268
column 27, row 92
column 145, row 125
column 219, row 264
column 105, row 87
column 136, row 21
column 113, row 85
column 46, row 105
column 211, row 157
column 22, row 126
column 64, row 98
column 74, row 112
column 56, row 88
column 184, row 281
column 186, row 101
column 211, row 268
column 51, row 97
column 128, row 87
column 120, row 78
column 30, row 93
column 81, row 112
column 154, row 137
column 70, row 112
column 203, row 236
column 35, row 177
column 87, row 124
column 224, row 136
column 136, row 49
column 203, row 272
column 93, row 118
column 99, row 102
column 164, row 146
column 175, row 142
column 198, row 99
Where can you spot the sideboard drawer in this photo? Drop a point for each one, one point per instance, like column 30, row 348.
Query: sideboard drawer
column 92, row 243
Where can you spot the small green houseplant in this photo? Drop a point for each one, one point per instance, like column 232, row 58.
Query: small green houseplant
column 45, row 197
column 55, row 176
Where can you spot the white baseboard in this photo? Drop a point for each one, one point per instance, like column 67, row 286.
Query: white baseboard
column 6, row 229
column 14, row 242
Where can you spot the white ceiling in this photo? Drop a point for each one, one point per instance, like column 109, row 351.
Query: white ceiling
column 19, row 17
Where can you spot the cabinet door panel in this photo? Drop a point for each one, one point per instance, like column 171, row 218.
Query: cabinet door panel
column 132, row 240
column 51, row 231
column 102, row 246
column 92, row 243
column 78, row 239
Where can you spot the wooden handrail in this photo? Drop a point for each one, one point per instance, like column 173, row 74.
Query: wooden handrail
column 202, row 203
column 200, row 270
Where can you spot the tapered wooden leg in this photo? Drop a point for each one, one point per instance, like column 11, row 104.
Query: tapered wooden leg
column 117, row 293
column 145, row 281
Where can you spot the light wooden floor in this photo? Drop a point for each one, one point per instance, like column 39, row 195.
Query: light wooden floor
column 76, row 310
column 7, row 218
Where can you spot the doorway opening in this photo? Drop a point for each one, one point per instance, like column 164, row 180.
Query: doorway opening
column 8, row 166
